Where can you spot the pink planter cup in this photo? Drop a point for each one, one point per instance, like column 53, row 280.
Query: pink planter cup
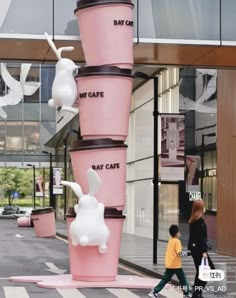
column 44, row 222
column 86, row 263
column 24, row 221
column 106, row 31
column 104, row 101
column 108, row 158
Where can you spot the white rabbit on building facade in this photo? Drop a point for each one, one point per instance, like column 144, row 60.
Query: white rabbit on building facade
column 89, row 228
column 64, row 88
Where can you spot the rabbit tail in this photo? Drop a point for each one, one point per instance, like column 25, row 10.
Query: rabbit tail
column 83, row 241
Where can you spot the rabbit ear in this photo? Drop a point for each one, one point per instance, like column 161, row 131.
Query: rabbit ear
column 75, row 187
column 53, row 47
column 94, row 182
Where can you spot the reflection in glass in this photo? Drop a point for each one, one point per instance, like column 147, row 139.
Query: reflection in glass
column 31, row 137
column 168, row 209
column 14, row 136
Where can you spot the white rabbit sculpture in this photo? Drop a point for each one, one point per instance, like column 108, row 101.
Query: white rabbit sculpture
column 64, row 88
column 89, row 228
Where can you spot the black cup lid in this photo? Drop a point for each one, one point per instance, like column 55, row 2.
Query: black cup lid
column 42, row 210
column 113, row 213
column 103, row 70
column 96, row 144
column 71, row 212
column 109, row 213
column 81, row 4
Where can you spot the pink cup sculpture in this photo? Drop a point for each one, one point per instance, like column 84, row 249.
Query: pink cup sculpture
column 108, row 158
column 44, row 222
column 106, row 31
column 86, row 263
column 24, row 221
column 104, row 101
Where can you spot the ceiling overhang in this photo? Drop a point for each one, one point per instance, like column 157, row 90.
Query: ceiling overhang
column 36, row 49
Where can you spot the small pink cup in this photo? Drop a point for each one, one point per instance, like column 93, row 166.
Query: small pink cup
column 86, row 263
column 108, row 158
column 106, row 31
column 24, row 221
column 104, row 101
column 44, row 222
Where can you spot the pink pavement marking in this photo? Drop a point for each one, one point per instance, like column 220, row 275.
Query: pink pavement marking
column 66, row 281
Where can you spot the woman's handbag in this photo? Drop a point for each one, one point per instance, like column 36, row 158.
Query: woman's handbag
column 204, row 270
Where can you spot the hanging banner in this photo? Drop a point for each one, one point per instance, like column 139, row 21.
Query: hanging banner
column 193, row 173
column 57, row 177
column 39, row 186
column 172, row 147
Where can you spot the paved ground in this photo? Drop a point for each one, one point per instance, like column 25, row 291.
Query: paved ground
column 137, row 252
column 22, row 253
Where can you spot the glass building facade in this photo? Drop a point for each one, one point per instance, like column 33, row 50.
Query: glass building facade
column 29, row 123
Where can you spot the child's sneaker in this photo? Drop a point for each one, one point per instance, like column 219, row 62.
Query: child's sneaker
column 152, row 294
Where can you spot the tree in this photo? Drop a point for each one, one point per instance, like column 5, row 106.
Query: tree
column 14, row 179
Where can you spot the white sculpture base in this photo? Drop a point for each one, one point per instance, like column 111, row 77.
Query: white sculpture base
column 66, row 281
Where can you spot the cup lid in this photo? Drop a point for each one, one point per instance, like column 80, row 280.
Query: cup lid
column 42, row 210
column 71, row 212
column 108, row 213
column 103, row 70
column 96, row 144
column 113, row 213
column 81, row 4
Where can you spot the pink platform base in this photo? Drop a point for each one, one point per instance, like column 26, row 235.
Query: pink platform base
column 66, row 281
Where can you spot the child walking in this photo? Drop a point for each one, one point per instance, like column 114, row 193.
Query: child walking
column 173, row 264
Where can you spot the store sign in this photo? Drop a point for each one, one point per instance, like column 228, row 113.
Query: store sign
column 211, row 172
column 39, row 191
column 192, row 173
column 172, row 147
column 194, row 195
column 57, row 186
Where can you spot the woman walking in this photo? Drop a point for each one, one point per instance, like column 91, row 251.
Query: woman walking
column 197, row 244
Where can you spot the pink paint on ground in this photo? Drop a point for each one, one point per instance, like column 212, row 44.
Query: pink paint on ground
column 66, row 281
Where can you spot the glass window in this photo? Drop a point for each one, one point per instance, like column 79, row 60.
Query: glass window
column 31, row 137
column 47, row 130
column 144, row 131
column 26, row 17
column 168, row 209
column 168, row 19
column 32, row 79
column 47, row 78
column 31, row 112
column 65, row 20
column 47, row 113
column 228, row 20
column 14, row 137
column 144, row 169
column 144, row 208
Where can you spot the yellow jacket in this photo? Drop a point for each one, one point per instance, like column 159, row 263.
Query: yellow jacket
column 172, row 259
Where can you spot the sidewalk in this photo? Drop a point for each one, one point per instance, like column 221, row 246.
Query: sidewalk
column 136, row 252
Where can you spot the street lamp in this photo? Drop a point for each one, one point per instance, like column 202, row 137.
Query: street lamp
column 52, row 201
column 213, row 134
column 33, row 166
column 155, row 160
column 65, row 141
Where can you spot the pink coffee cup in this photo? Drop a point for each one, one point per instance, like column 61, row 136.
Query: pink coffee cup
column 44, row 222
column 108, row 158
column 104, row 101
column 24, row 221
column 106, row 31
column 86, row 263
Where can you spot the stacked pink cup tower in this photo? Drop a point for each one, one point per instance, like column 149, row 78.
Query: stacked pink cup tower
column 104, row 100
